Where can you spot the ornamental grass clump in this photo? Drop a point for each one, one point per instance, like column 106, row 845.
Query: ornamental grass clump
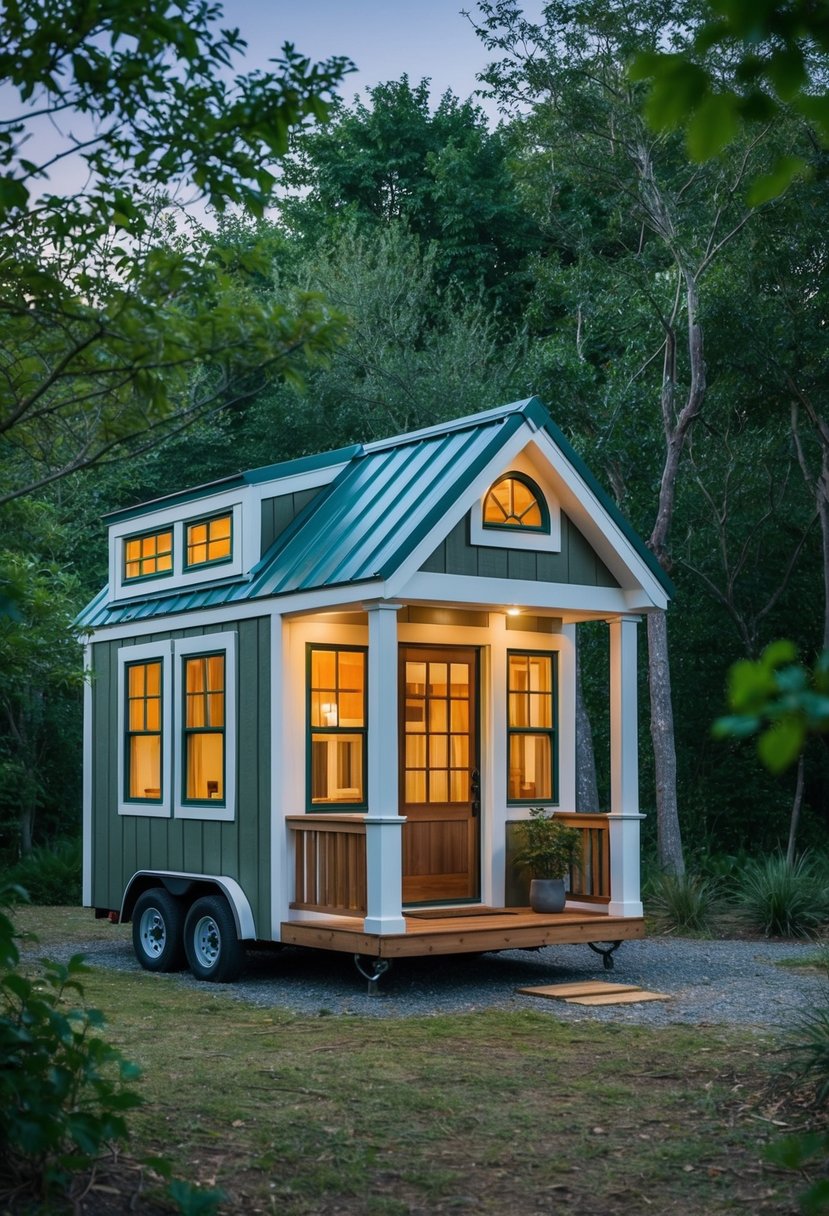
column 783, row 898
column 546, row 846
column 684, row 903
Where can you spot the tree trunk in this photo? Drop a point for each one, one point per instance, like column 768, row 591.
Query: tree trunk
column 587, row 789
column 795, row 819
column 669, row 839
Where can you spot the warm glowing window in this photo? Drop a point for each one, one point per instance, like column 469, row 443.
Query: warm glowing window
column 209, row 540
column 148, row 555
column 143, row 733
column 516, row 502
column 204, row 728
column 531, row 727
column 438, row 729
column 337, row 726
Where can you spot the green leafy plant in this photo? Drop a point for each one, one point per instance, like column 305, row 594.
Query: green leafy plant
column 64, row 1091
column 51, row 874
column 779, row 897
column 686, row 902
column 546, row 845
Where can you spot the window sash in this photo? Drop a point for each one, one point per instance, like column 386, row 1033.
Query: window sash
column 208, row 541
column 336, row 733
column 532, row 726
column 148, row 555
column 143, row 730
column 204, row 713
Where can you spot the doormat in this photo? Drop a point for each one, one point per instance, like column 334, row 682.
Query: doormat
column 595, row 992
column 443, row 913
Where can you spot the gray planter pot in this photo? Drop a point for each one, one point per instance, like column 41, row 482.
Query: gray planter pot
column 547, row 895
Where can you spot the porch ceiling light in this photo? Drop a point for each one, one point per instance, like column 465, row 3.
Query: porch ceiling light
column 513, row 611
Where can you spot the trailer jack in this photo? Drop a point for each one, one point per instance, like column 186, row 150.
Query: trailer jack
column 379, row 967
column 606, row 953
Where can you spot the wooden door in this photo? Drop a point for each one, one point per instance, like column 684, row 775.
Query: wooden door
column 439, row 773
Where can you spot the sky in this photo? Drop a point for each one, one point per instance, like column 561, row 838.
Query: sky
column 384, row 38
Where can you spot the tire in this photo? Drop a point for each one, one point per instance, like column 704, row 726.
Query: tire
column 213, row 950
column 158, row 931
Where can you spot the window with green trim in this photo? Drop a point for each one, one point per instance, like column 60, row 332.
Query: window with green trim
column 531, row 727
column 144, row 725
column 336, row 727
column 208, row 541
column 148, row 555
column 515, row 501
column 204, row 728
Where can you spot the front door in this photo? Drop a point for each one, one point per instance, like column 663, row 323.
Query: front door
column 439, row 777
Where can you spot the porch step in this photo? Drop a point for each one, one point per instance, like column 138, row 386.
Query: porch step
column 595, row 992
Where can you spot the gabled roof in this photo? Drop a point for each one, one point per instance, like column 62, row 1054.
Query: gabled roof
column 366, row 523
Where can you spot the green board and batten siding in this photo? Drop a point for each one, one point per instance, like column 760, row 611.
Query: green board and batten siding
column 278, row 512
column 240, row 849
column 576, row 562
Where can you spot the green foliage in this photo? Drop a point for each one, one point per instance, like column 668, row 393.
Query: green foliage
column 686, row 903
column 745, row 62
column 785, row 899
column 51, row 874
column 111, row 322
column 190, row 1200
column 807, row 1046
column 802, row 1151
column 64, row 1091
column 546, row 846
column 779, row 699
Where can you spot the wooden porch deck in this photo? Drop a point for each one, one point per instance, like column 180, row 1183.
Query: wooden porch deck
column 509, row 929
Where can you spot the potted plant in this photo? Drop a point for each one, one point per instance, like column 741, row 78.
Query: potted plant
column 546, row 850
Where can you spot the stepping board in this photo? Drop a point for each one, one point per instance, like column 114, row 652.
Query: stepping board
column 595, row 992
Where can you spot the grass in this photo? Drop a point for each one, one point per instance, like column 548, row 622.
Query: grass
column 490, row 1112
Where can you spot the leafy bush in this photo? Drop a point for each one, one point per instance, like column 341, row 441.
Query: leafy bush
column 51, row 875
column 785, row 899
column 687, row 903
column 63, row 1089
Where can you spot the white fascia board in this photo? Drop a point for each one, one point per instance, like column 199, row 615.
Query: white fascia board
column 326, row 599
column 598, row 527
column 295, row 482
column 500, row 593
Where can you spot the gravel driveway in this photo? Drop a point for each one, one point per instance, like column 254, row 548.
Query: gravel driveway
column 708, row 982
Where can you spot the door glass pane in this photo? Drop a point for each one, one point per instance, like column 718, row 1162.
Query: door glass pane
column 438, row 786
column 415, row 751
column 460, row 715
column 415, row 786
column 459, row 785
column 438, row 752
column 460, row 679
column 437, row 715
column 437, row 679
column 460, row 751
column 415, row 679
column 415, row 716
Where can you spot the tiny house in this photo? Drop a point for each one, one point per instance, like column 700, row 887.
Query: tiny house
column 322, row 694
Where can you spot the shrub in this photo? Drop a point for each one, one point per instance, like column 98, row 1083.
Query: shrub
column 63, row 1089
column 782, row 898
column 50, row 874
column 687, row 903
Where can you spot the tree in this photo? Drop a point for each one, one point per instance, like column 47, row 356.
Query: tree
column 625, row 210
column 442, row 173
column 111, row 324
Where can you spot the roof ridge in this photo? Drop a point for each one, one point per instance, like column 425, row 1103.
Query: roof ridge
column 500, row 414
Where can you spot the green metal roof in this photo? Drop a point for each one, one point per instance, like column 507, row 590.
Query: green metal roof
column 363, row 525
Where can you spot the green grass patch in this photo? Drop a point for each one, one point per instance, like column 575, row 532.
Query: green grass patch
column 489, row 1112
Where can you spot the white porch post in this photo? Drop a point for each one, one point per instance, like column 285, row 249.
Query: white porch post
column 625, row 895
column 384, row 827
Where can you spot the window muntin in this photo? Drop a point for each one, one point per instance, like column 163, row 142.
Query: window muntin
column 148, row 555
column 208, row 541
column 204, row 728
column 531, row 727
column 337, row 727
column 143, row 735
column 515, row 501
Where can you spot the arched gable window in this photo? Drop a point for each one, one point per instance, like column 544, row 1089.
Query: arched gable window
column 515, row 501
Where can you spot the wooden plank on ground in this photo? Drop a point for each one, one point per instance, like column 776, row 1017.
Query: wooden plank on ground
column 618, row 998
column 584, row 988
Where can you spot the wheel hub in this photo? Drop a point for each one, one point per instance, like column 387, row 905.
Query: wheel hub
column 207, row 941
column 153, row 932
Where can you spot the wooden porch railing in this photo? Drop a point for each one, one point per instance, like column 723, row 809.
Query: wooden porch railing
column 590, row 872
column 330, row 863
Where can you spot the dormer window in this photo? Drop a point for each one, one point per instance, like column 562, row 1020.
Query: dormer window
column 209, row 541
column 149, row 555
column 515, row 501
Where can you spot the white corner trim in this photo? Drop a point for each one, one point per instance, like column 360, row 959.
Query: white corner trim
column 143, row 654
column 207, row 643
column 86, row 881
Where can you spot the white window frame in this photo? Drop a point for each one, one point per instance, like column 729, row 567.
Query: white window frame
column 207, row 643
column 127, row 655
column 529, row 540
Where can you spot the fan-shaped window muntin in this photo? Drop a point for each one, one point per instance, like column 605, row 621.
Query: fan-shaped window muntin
column 515, row 501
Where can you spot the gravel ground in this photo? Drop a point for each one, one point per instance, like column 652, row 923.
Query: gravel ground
column 708, row 982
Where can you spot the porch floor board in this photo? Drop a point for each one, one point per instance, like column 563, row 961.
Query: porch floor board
column 456, row 934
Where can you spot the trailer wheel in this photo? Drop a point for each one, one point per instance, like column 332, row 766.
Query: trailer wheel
column 213, row 950
column 158, row 931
